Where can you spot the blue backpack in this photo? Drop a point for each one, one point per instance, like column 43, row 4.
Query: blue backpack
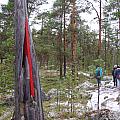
column 98, row 74
column 118, row 75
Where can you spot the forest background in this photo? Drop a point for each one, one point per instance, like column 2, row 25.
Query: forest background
column 65, row 43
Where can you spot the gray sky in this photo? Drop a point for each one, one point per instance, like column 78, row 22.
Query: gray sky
column 88, row 17
column 3, row 2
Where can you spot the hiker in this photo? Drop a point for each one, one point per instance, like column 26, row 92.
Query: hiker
column 114, row 75
column 117, row 74
column 98, row 74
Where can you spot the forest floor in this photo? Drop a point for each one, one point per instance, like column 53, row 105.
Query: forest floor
column 83, row 106
column 7, row 114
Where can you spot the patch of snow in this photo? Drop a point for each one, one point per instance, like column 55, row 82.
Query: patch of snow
column 107, row 99
column 86, row 85
column 83, row 73
column 107, row 78
column 52, row 114
column 52, row 92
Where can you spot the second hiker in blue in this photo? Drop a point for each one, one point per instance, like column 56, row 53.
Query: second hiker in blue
column 98, row 74
column 114, row 75
column 117, row 74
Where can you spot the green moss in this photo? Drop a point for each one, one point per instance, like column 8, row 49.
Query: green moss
column 49, row 83
column 3, row 107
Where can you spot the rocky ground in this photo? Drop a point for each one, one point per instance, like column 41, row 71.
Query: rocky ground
column 87, row 110
column 81, row 102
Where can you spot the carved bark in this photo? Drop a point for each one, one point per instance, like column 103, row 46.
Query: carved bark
column 27, row 107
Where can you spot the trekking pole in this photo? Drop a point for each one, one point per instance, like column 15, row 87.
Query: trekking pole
column 98, row 97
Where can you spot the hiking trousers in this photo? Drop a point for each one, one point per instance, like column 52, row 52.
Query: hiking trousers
column 98, row 80
column 118, row 83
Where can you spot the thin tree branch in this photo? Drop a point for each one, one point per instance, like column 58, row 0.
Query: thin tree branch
column 93, row 8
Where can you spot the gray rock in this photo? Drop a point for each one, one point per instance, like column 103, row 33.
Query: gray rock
column 86, row 86
column 45, row 97
column 52, row 93
column 10, row 101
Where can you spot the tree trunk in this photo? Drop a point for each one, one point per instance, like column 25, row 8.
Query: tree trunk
column 28, row 99
column 1, row 59
column 105, row 50
column 73, row 37
column 74, row 49
column 99, row 42
column 60, row 45
column 65, row 45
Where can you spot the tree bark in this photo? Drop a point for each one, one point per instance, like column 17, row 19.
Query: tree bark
column 105, row 50
column 60, row 48
column 73, row 36
column 74, row 50
column 65, row 45
column 27, row 107
column 99, row 42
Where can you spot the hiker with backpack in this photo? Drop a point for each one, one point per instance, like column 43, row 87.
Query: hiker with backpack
column 98, row 74
column 114, row 75
column 117, row 74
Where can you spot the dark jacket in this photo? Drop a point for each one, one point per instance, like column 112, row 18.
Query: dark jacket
column 117, row 73
column 113, row 72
